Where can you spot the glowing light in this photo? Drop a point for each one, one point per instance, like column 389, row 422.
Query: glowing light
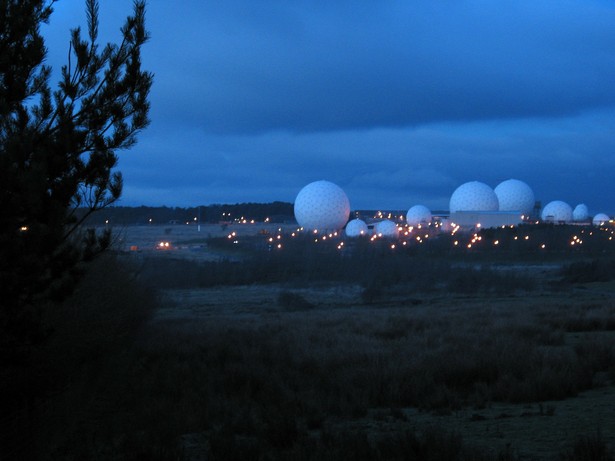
column 543, row 246
column 23, row 228
column 497, row 242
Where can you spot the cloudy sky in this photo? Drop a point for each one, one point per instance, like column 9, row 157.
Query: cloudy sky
column 398, row 102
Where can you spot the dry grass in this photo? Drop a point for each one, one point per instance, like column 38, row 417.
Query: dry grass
column 306, row 368
column 245, row 376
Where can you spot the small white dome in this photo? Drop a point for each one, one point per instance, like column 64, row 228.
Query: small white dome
column 356, row 228
column 580, row 212
column 557, row 211
column 323, row 206
column 515, row 195
column 418, row 214
column 474, row 196
column 386, row 228
column 600, row 219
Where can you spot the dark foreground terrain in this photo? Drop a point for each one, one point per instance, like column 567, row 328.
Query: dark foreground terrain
column 155, row 358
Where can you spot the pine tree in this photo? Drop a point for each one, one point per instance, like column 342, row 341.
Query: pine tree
column 58, row 152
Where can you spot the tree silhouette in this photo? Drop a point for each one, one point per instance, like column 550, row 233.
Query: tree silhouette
column 58, row 152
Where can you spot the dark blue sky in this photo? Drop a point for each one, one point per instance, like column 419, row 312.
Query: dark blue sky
column 398, row 102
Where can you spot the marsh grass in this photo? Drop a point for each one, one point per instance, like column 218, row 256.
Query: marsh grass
column 299, row 379
column 590, row 447
column 283, row 384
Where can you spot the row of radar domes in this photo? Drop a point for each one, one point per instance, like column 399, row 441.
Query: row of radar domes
column 323, row 205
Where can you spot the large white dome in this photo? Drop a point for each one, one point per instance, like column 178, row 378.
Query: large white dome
column 356, row 228
column 580, row 212
column 323, row 206
column 600, row 219
column 515, row 195
column 386, row 228
column 557, row 211
column 474, row 196
column 418, row 214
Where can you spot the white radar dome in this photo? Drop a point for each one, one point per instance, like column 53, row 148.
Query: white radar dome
column 418, row 214
column 322, row 206
column 474, row 196
column 557, row 211
column 580, row 212
column 356, row 228
column 515, row 195
column 600, row 219
column 386, row 228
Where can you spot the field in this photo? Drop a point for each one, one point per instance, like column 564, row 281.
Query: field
column 286, row 356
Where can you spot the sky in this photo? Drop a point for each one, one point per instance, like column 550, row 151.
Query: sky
column 397, row 102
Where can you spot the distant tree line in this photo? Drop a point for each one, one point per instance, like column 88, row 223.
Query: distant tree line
column 119, row 215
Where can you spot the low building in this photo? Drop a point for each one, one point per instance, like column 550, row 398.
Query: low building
column 486, row 219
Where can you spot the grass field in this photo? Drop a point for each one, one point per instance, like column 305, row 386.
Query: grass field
column 432, row 367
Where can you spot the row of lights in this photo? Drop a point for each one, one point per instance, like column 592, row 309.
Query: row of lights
column 276, row 241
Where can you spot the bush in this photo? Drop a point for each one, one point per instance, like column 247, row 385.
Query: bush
column 88, row 336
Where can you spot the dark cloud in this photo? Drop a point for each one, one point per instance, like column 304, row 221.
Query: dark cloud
column 299, row 67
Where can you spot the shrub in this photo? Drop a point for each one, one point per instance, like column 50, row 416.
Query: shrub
column 88, row 336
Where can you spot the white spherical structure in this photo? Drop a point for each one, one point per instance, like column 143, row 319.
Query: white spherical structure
column 474, row 196
column 600, row 219
column 356, row 228
column 515, row 195
column 386, row 228
column 580, row 212
column 322, row 206
column 418, row 214
column 557, row 211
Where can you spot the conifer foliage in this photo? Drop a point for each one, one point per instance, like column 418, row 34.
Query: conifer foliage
column 58, row 150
